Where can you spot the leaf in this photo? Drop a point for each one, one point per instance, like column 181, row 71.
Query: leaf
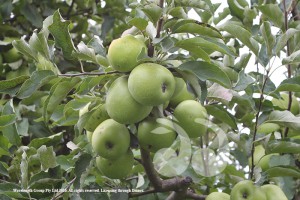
column 140, row 23
column 283, row 146
column 269, row 38
column 85, row 53
column 206, row 44
column 44, row 64
column 57, row 93
column 290, row 84
column 23, row 47
column 24, row 170
column 284, row 38
column 243, row 82
column 220, row 93
column 38, row 42
column 274, row 13
column 294, row 58
column 47, row 141
column 283, row 171
column 195, row 27
column 237, row 8
column 11, row 83
column 243, row 35
column 60, row 31
column 221, row 114
column 284, row 118
column 47, row 157
column 32, row 14
column 36, row 80
column 80, row 167
column 243, row 62
column 3, row 169
column 153, row 12
column 207, row 71
column 6, row 120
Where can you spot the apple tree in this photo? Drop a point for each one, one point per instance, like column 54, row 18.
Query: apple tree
column 150, row 99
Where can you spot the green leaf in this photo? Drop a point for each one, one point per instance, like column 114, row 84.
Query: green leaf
column 32, row 14
column 283, row 146
column 47, row 141
column 294, row 58
column 85, row 53
column 206, row 44
column 220, row 93
column 284, row 38
column 6, row 120
column 47, row 157
column 243, row 62
column 36, row 80
column 274, row 14
column 153, row 12
column 140, row 23
column 38, row 42
column 60, row 31
column 221, row 114
column 195, row 27
column 284, row 118
column 269, row 38
column 243, row 82
column 23, row 47
column 3, row 169
column 283, row 171
column 6, row 85
column 207, row 71
column 24, row 170
column 80, row 167
column 57, row 93
column 237, row 8
column 243, row 35
column 290, row 84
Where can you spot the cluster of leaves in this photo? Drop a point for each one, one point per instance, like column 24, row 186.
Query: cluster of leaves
column 63, row 68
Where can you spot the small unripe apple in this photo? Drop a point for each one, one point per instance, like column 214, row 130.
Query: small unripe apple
column 111, row 139
column 97, row 117
column 246, row 190
column 11, row 55
column 218, row 196
column 151, row 84
column 273, row 192
column 123, row 53
column 259, row 152
column 192, row 117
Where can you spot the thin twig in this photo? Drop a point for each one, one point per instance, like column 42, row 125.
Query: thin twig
column 66, row 188
column 70, row 9
column 90, row 74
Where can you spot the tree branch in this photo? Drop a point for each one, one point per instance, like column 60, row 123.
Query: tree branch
column 90, row 74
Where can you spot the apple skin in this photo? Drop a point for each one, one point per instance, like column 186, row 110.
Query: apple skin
column 283, row 103
column 187, row 113
column 259, row 152
column 266, row 128
column 273, row 192
column 97, row 117
column 121, row 106
column 118, row 168
column 11, row 55
column 151, row 84
column 246, row 190
column 111, row 139
column 218, row 196
column 181, row 92
column 123, row 53
column 154, row 134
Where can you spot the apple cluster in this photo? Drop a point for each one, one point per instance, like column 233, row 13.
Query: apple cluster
column 134, row 98
column 246, row 190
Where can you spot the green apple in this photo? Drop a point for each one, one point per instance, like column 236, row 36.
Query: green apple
column 154, row 134
column 151, row 84
column 121, row 106
column 111, row 139
column 259, row 152
column 123, row 53
column 218, row 196
column 11, row 55
column 263, row 163
column 283, row 103
column 266, row 128
column 273, row 192
column 246, row 190
column 192, row 117
column 97, row 117
column 118, row 168
column 181, row 92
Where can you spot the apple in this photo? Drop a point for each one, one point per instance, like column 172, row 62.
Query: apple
column 273, row 192
column 192, row 117
column 246, row 190
column 263, row 163
column 154, row 134
column 121, row 106
column 181, row 92
column 151, row 84
column 218, row 196
column 97, row 117
column 283, row 103
column 118, row 168
column 111, row 139
column 12, row 55
column 266, row 128
column 123, row 53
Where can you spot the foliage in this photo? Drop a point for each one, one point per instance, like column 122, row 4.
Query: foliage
column 228, row 59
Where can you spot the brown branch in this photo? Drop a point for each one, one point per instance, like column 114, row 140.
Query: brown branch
column 70, row 9
column 90, row 74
